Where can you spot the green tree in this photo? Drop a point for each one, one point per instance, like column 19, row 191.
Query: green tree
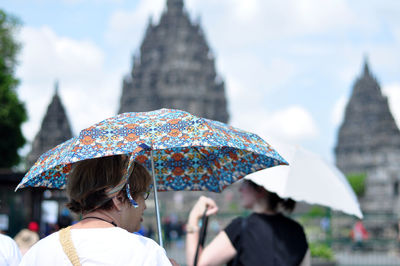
column 357, row 182
column 12, row 111
column 320, row 250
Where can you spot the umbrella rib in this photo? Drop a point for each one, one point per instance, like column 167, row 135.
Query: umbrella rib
column 210, row 166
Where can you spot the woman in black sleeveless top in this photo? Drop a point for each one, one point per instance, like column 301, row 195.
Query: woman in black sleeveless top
column 266, row 237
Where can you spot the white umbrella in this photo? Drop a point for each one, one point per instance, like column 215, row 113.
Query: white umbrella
column 308, row 178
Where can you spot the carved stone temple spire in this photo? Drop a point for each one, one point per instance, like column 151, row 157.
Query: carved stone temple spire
column 369, row 130
column 54, row 130
column 175, row 69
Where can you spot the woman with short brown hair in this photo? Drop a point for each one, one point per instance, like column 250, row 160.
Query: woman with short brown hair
column 111, row 204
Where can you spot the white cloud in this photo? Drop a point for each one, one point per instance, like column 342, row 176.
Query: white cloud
column 88, row 90
column 248, row 83
column 338, row 111
column 392, row 91
column 311, row 16
column 246, row 10
column 46, row 55
column 259, row 21
column 91, row 1
column 249, row 78
column 291, row 124
column 125, row 28
column 233, row 24
column 260, row 46
column 243, row 33
column 125, row 31
column 294, row 122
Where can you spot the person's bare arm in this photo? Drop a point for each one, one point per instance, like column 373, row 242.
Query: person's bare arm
column 192, row 238
column 173, row 262
column 307, row 259
column 220, row 250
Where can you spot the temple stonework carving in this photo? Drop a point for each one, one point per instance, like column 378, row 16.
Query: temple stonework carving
column 369, row 143
column 175, row 69
column 54, row 130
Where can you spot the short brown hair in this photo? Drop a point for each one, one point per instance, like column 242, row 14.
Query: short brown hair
column 89, row 180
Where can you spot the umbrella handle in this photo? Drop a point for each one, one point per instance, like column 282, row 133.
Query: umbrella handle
column 160, row 240
column 202, row 237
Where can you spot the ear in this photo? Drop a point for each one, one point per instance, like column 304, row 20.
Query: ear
column 118, row 201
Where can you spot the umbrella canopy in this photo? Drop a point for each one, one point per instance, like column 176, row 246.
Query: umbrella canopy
column 183, row 152
column 189, row 153
column 310, row 179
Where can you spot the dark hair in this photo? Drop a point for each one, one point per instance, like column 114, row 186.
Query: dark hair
column 273, row 200
column 89, row 180
column 64, row 221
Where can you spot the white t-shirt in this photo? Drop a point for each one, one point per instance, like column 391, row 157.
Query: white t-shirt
column 98, row 246
column 9, row 251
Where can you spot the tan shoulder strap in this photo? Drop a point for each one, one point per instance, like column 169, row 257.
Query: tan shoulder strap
column 68, row 246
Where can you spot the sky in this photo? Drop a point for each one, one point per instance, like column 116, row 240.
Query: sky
column 288, row 65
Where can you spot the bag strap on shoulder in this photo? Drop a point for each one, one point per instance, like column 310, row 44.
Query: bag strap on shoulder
column 68, row 246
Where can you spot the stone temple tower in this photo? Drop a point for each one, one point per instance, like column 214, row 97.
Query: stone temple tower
column 175, row 69
column 369, row 134
column 369, row 142
column 54, row 130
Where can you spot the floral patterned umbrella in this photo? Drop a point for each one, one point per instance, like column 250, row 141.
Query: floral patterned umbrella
column 190, row 153
column 183, row 151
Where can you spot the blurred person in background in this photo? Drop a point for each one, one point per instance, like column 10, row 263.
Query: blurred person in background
column 27, row 237
column 265, row 237
column 9, row 251
column 111, row 203
column 359, row 234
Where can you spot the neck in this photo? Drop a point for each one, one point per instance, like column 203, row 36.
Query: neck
column 263, row 208
column 100, row 217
